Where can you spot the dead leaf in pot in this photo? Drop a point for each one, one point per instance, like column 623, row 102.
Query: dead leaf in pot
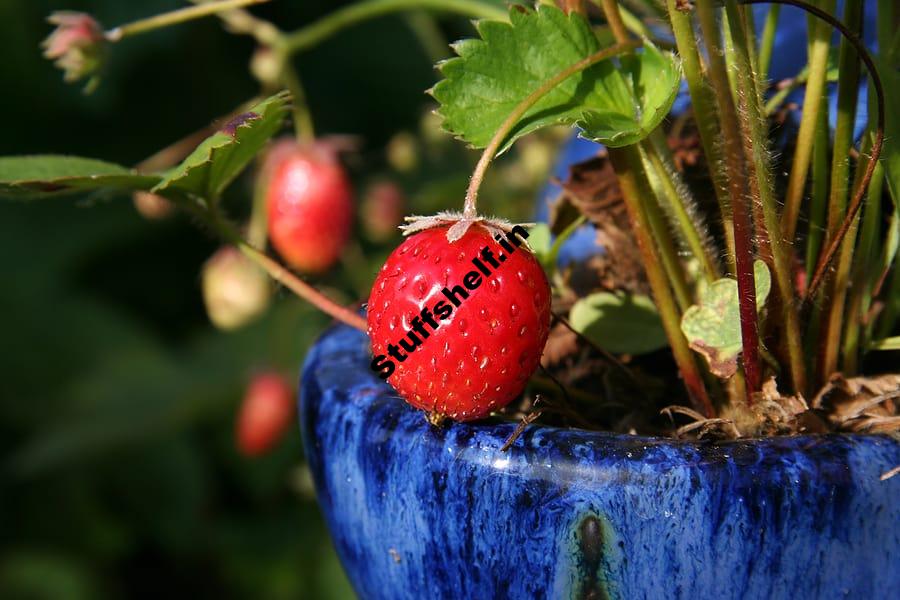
column 863, row 404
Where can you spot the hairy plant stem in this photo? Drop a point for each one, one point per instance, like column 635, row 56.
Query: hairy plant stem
column 848, row 89
column 628, row 166
column 175, row 17
column 848, row 83
column 740, row 203
column 825, row 258
column 767, row 41
column 865, row 278
column 706, row 117
column 469, row 209
column 660, row 231
column 830, row 343
column 755, row 131
column 815, row 87
column 818, row 204
column 311, row 35
column 674, row 195
column 280, row 273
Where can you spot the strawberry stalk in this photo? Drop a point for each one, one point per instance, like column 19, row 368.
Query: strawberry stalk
column 175, row 17
column 628, row 166
column 283, row 275
column 469, row 209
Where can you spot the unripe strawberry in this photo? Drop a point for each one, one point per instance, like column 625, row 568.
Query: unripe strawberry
column 458, row 328
column 266, row 413
column 309, row 200
column 382, row 210
column 235, row 290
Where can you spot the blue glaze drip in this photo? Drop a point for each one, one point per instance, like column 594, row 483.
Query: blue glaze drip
column 418, row 512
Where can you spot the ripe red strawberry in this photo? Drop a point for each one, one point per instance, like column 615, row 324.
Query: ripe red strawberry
column 266, row 413
column 458, row 328
column 310, row 205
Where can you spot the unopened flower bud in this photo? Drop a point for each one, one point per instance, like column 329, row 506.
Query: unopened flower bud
column 77, row 46
column 266, row 66
column 235, row 290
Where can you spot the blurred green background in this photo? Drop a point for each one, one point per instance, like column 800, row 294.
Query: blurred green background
column 119, row 474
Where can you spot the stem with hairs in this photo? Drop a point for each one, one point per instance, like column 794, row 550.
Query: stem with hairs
column 815, row 88
column 848, row 89
column 864, row 276
column 645, row 217
column 740, row 204
column 659, row 230
column 848, row 83
column 818, row 204
column 754, row 127
column 627, row 163
column 674, row 197
column 706, row 116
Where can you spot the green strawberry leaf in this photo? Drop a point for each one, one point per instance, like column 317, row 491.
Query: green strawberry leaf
column 41, row 176
column 619, row 323
column 654, row 78
column 713, row 326
column 214, row 164
column 615, row 103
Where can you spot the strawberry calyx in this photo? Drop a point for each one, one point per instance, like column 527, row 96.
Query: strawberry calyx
column 457, row 224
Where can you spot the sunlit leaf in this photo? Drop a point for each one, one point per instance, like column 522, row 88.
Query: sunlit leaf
column 614, row 103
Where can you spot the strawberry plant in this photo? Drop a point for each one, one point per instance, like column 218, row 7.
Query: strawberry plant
column 759, row 274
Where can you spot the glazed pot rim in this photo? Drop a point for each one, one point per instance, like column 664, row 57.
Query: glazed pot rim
column 499, row 429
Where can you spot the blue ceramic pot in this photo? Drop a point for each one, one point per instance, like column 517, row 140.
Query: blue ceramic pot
column 423, row 513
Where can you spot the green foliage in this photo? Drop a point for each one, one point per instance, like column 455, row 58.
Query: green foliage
column 52, row 175
column 890, row 77
column 891, row 343
column 616, row 104
column 545, row 248
column 619, row 323
column 713, row 326
column 222, row 156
